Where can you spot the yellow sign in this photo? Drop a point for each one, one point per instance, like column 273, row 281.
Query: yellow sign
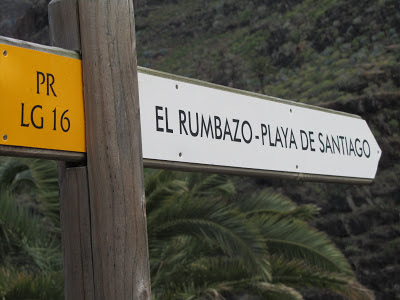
column 41, row 100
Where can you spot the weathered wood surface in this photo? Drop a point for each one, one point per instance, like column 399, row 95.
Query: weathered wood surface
column 64, row 24
column 77, row 250
column 114, row 152
column 73, row 182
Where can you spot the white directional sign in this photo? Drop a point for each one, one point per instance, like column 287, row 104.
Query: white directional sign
column 186, row 124
column 189, row 123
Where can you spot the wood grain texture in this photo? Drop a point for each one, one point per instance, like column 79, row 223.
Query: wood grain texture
column 64, row 24
column 114, row 152
column 77, row 250
column 73, row 182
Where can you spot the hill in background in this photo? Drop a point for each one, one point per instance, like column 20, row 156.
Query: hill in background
column 341, row 54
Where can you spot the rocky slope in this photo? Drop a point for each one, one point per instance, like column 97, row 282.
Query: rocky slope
column 343, row 55
column 25, row 19
column 340, row 54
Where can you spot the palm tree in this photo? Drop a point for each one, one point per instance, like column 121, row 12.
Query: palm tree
column 207, row 243
column 30, row 245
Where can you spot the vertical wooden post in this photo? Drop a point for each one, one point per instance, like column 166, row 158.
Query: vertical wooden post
column 64, row 24
column 73, row 182
column 114, row 150
column 118, row 234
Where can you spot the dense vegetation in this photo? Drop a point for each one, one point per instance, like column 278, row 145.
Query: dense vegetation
column 205, row 241
column 311, row 51
column 30, row 234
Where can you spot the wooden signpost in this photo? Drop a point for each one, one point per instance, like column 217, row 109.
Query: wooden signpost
column 102, row 203
column 185, row 124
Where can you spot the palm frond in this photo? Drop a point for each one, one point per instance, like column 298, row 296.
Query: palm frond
column 224, row 231
column 297, row 274
column 252, row 287
column 205, row 245
column 267, row 201
column 21, row 285
column 220, row 268
column 25, row 242
column 267, row 198
column 33, row 183
column 295, row 239
column 164, row 195
column 206, row 185
column 276, row 291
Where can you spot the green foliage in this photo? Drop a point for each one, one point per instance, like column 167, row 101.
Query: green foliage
column 288, row 272
column 34, row 184
column 274, row 45
column 255, row 205
column 30, row 246
column 24, row 239
column 204, row 241
column 21, row 285
column 207, row 243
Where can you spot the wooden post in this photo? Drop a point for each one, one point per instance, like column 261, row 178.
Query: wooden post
column 75, row 224
column 73, row 181
column 118, row 235
column 114, row 150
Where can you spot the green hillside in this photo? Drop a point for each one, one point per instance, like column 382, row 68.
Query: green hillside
column 311, row 51
column 340, row 54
